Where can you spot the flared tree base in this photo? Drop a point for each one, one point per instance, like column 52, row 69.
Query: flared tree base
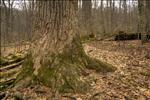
column 62, row 72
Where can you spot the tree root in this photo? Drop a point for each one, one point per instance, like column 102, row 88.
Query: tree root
column 63, row 72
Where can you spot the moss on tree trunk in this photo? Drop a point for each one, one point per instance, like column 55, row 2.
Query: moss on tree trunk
column 62, row 72
column 58, row 59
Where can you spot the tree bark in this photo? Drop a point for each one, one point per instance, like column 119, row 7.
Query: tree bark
column 147, row 28
column 58, row 59
column 87, row 16
column 141, row 21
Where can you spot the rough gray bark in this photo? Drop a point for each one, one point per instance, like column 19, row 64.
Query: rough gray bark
column 57, row 59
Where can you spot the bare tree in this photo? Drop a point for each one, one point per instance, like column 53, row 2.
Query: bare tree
column 87, row 15
column 147, row 28
column 141, row 16
column 58, row 59
column 102, row 16
column 125, row 14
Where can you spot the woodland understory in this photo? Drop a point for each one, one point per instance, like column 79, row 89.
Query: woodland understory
column 129, row 81
column 75, row 50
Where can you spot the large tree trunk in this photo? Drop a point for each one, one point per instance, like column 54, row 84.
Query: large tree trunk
column 58, row 59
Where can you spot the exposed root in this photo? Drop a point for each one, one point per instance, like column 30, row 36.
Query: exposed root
column 63, row 72
column 63, row 76
column 99, row 66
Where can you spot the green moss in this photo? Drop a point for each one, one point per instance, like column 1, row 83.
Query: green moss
column 2, row 61
column 27, row 68
column 5, row 85
column 145, row 74
column 147, row 56
column 6, row 75
column 14, row 57
column 87, row 38
column 45, row 74
column 62, row 76
column 17, row 97
column 99, row 66
column 62, row 72
column 10, row 59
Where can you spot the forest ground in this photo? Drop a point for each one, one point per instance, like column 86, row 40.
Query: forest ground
column 131, row 80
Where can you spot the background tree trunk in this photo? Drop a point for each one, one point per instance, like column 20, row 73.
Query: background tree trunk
column 141, row 16
column 87, row 16
column 147, row 28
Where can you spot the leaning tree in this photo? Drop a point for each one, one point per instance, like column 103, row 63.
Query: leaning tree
column 58, row 59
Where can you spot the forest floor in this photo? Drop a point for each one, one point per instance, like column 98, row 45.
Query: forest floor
column 131, row 80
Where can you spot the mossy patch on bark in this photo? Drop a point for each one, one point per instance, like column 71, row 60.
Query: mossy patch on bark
column 62, row 76
column 147, row 73
column 99, row 66
column 63, row 71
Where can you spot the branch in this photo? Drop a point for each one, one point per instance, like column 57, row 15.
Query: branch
column 4, row 3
